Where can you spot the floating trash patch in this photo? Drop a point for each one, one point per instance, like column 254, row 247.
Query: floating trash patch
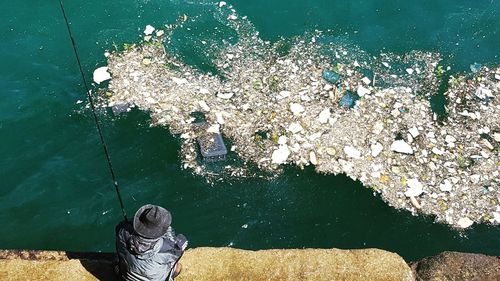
column 331, row 105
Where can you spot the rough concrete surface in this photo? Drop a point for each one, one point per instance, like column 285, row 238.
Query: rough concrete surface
column 306, row 264
column 55, row 265
column 218, row 264
column 458, row 266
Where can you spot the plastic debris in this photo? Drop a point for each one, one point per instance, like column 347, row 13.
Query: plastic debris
column 475, row 67
column 465, row 222
column 120, row 108
column 212, row 147
column 349, row 99
column 402, row 147
column 331, row 77
column 453, row 160
column 415, row 188
column 280, row 155
column 352, row 152
column 149, row 30
column 101, row 74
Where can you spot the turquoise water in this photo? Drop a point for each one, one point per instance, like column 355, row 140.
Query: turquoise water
column 55, row 190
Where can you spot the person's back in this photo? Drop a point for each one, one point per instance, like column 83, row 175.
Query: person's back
column 148, row 248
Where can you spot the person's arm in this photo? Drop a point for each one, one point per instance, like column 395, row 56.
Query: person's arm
column 170, row 235
column 179, row 240
column 121, row 235
column 120, row 243
column 119, row 226
column 176, row 244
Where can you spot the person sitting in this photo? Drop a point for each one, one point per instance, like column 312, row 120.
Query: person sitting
column 147, row 248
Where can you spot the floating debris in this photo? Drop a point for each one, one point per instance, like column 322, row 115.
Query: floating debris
column 331, row 76
column 149, row 30
column 402, row 147
column 280, row 155
column 415, row 188
column 475, row 67
column 101, row 74
column 464, row 222
column 212, row 147
column 120, row 108
column 348, row 99
column 292, row 108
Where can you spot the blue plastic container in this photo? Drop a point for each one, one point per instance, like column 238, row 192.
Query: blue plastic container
column 331, row 76
column 349, row 99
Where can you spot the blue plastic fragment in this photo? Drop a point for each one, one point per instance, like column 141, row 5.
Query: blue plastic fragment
column 349, row 99
column 475, row 67
column 331, row 76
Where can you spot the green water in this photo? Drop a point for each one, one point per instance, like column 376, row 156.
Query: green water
column 55, row 190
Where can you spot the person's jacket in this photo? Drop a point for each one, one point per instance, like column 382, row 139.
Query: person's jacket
column 142, row 259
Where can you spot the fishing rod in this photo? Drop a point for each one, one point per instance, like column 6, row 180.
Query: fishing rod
column 92, row 106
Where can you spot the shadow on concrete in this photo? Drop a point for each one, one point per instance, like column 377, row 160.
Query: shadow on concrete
column 98, row 264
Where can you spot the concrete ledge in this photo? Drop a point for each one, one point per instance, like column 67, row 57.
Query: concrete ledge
column 55, row 265
column 458, row 266
column 306, row 264
column 235, row 264
column 218, row 264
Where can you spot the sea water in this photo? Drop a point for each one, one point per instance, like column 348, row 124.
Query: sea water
column 56, row 192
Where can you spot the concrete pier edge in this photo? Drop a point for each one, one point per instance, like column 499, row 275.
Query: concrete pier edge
column 237, row 264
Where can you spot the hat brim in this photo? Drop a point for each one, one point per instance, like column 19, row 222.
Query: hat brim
column 148, row 231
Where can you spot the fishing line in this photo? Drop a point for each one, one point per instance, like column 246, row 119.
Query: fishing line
column 96, row 119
